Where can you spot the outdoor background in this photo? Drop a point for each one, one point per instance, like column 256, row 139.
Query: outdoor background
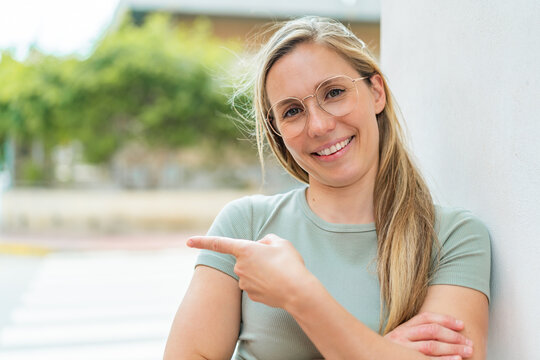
column 117, row 142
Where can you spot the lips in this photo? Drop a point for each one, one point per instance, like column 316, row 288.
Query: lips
column 330, row 150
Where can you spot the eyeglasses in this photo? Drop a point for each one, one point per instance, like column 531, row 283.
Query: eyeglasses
column 336, row 96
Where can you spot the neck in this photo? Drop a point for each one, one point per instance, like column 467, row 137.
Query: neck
column 351, row 204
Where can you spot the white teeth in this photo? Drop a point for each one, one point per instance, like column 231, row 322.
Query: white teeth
column 334, row 148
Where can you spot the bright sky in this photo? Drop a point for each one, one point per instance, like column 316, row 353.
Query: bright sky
column 57, row 27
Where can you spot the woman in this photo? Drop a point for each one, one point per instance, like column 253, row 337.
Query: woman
column 359, row 264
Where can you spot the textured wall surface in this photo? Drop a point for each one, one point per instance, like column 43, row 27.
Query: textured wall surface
column 466, row 75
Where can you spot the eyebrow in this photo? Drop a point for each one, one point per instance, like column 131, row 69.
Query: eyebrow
column 289, row 100
column 314, row 88
column 320, row 82
column 317, row 84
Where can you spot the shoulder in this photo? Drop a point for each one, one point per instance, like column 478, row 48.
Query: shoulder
column 452, row 222
column 464, row 250
column 250, row 212
column 261, row 204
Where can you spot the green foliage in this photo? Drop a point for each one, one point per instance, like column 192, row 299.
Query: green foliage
column 31, row 98
column 31, row 173
column 157, row 83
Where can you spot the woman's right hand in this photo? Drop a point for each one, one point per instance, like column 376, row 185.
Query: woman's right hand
column 268, row 269
column 434, row 335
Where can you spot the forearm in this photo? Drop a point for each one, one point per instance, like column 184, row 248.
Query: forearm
column 337, row 333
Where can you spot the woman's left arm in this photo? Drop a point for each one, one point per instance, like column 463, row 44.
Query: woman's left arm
column 272, row 272
column 466, row 304
column 338, row 335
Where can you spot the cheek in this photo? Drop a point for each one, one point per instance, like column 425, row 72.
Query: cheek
column 295, row 150
column 374, row 148
column 372, row 133
column 366, row 121
column 293, row 147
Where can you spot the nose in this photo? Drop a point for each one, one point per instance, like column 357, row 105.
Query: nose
column 318, row 121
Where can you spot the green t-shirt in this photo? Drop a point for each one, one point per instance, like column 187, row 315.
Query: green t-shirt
column 342, row 257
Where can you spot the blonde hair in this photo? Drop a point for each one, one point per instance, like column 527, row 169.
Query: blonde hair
column 404, row 211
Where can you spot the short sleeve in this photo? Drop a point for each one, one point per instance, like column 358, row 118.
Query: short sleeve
column 465, row 253
column 233, row 221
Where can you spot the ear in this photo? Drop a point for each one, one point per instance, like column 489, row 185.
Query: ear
column 379, row 95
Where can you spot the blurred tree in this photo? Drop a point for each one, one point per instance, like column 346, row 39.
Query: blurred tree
column 154, row 83
column 158, row 84
column 32, row 104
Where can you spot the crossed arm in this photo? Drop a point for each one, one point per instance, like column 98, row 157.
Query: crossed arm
column 207, row 322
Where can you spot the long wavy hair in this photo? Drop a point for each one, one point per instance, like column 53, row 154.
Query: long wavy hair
column 404, row 210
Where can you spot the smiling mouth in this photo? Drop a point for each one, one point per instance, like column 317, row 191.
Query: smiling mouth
column 334, row 148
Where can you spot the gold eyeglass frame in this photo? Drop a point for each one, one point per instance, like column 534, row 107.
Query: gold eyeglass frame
column 269, row 118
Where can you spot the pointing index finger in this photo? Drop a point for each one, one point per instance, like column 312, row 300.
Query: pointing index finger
column 219, row 244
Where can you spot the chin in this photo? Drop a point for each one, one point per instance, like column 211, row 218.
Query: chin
column 336, row 182
column 340, row 179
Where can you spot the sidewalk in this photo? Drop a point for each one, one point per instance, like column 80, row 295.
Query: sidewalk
column 111, row 210
column 39, row 220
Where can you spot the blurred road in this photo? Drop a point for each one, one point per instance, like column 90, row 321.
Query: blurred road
column 93, row 274
column 90, row 303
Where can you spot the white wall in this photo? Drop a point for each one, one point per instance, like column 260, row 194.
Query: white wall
column 467, row 77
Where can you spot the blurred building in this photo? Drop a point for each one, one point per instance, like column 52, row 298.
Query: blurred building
column 243, row 19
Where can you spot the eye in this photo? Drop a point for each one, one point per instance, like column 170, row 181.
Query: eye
column 292, row 112
column 335, row 92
